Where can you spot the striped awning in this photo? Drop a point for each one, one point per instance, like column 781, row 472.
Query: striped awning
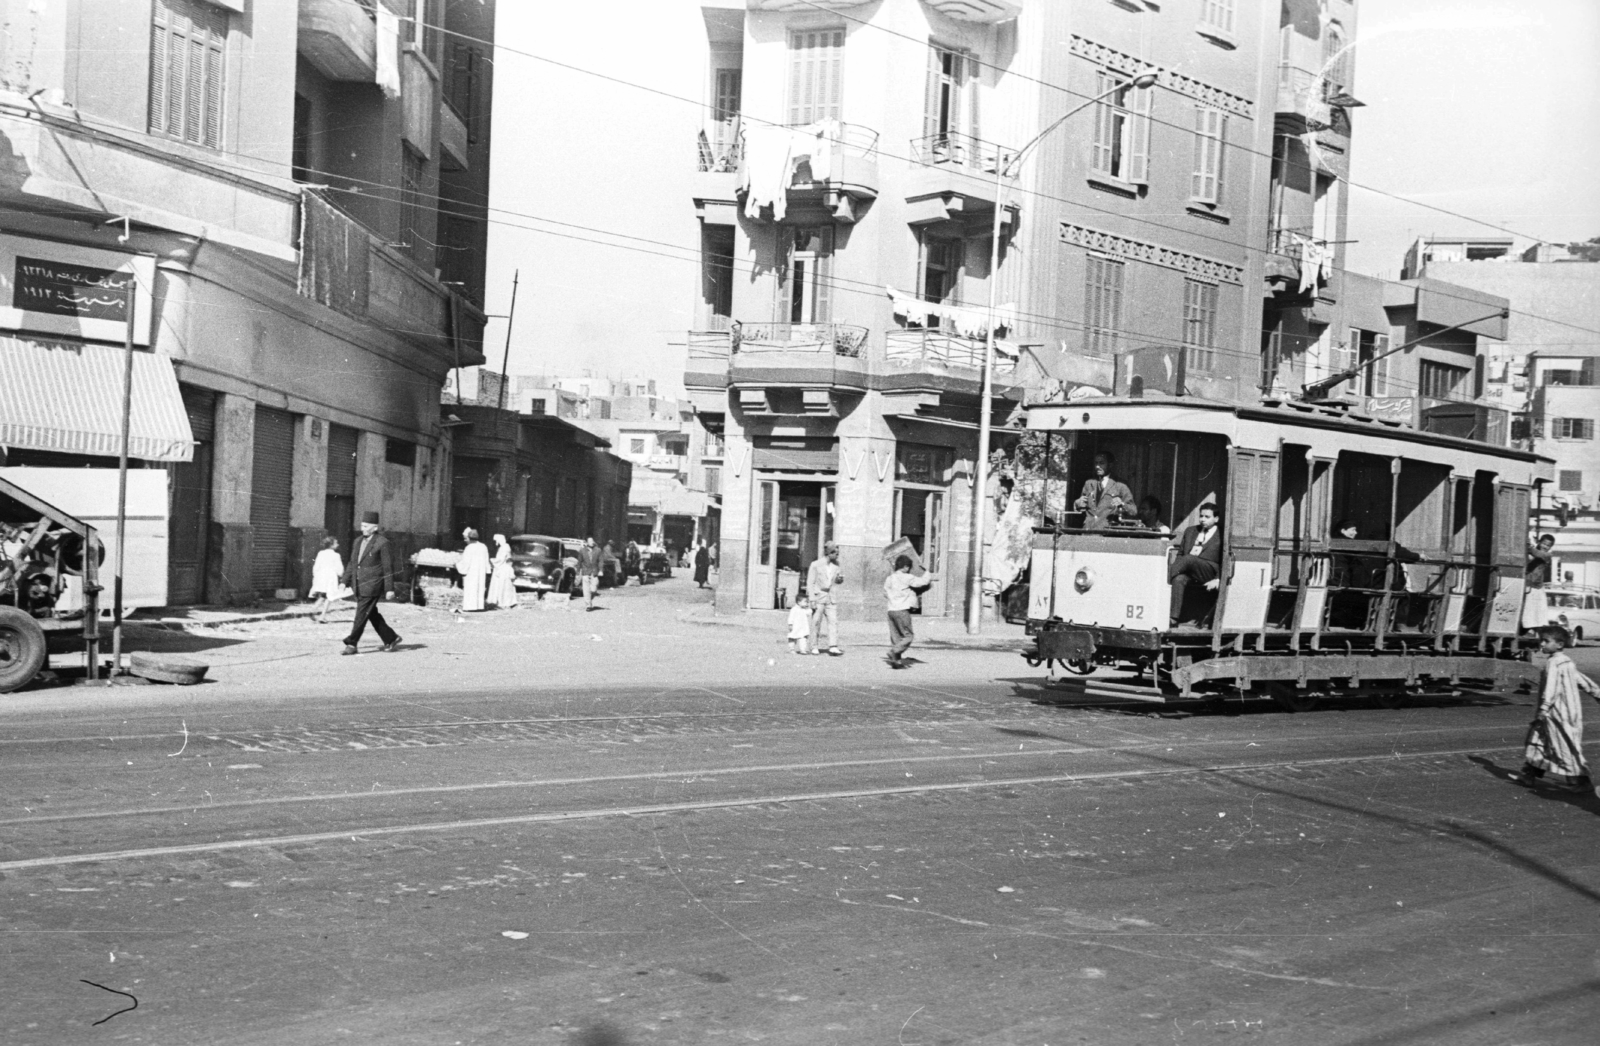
column 68, row 398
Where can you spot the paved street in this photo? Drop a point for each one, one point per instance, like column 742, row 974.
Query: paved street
column 553, row 827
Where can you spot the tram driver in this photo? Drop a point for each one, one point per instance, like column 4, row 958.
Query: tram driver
column 1199, row 558
column 1105, row 499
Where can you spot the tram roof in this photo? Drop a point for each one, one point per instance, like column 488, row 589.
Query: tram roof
column 1325, row 430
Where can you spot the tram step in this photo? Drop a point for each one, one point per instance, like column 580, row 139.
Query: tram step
column 1103, row 689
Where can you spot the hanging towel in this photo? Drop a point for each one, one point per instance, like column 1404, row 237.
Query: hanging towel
column 768, row 169
column 818, row 141
column 388, row 57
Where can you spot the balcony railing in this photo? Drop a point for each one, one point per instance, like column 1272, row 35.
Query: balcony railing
column 963, row 150
column 710, row 345
column 922, row 346
column 841, row 339
column 1288, row 241
column 721, row 149
column 1304, row 93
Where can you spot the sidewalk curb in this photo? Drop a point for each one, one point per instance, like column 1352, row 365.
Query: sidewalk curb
column 992, row 643
column 176, row 624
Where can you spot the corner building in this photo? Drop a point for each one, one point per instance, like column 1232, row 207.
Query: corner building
column 1134, row 248
column 297, row 190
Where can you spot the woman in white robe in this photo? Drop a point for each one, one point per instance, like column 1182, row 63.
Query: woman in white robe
column 473, row 566
column 502, row 584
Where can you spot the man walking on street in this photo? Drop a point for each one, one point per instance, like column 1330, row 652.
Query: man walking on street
column 821, row 580
column 370, row 575
column 900, row 594
column 589, row 563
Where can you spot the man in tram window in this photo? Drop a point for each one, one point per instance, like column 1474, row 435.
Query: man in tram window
column 1199, row 558
column 1348, row 569
column 1540, row 560
column 1150, row 514
column 1104, row 499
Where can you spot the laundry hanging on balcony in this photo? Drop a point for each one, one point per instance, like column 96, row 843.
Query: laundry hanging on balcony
column 967, row 321
column 771, row 155
column 387, row 72
column 1316, row 264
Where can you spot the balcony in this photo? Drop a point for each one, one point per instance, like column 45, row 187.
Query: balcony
column 833, row 164
column 956, row 177
column 815, row 358
column 348, row 268
column 719, row 151
column 1302, row 102
column 340, row 38
column 919, row 348
column 1298, row 263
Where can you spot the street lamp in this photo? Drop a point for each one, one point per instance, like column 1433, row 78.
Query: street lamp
column 981, row 480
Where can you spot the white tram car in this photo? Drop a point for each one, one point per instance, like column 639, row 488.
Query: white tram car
column 1427, row 596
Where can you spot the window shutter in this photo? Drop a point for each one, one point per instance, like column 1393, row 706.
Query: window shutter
column 970, row 91
column 212, row 115
column 836, row 81
column 1100, row 159
column 797, row 69
column 930, row 114
column 822, row 279
column 1139, row 160
column 816, row 76
column 1114, row 270
column 1208, row 130
column 958, row 86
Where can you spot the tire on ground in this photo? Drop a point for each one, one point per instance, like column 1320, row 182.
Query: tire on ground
column 22, row 649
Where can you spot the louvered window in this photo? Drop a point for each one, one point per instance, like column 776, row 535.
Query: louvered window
column 1200, row 324
column 816, row 76
column 1102, row 305
column 1122, row 130
column 1210, row 131
column 1218, row 14
column 187, row 43
column 413, row 170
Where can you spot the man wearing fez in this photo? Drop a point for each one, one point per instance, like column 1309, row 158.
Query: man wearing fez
column 370, row 574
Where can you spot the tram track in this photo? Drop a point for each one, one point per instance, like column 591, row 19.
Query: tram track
column 1429, row 759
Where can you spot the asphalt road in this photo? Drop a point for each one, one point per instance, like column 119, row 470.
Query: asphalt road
column 833, row 856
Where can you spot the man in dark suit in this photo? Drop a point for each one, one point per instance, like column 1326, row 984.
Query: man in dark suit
column 1104, row 498
column 370, row 574
column 1199, row 558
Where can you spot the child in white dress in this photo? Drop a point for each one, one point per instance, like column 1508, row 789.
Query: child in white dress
column 326, row 570
column 800, row 626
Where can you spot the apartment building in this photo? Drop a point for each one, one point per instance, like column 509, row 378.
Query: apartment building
column 851, row 168
column 289, row 199
column 1550, row 352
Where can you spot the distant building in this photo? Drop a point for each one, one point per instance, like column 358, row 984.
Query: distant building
column 1547, row 373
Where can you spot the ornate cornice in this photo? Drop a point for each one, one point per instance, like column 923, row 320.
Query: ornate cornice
column 1199, row 90
column 1194, row 264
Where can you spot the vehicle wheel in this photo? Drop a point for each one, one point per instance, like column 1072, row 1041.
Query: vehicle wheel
column 22, row 649
column 1079, row 666
column 1291, row 698
column 1577, row 634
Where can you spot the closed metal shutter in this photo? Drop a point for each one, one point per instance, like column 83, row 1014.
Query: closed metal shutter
column 271, row 488
column 339, row 518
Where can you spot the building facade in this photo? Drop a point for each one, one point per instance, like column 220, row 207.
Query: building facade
column 1546, row 373
column 293, row 195
column 1138, row 241
column 517, row 473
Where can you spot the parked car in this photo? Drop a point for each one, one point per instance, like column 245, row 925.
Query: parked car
column 1573, row 607
column 610, row 566
column 655, row 562
column 540, row 563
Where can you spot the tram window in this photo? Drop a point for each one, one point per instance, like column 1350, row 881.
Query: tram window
column 1363, row 492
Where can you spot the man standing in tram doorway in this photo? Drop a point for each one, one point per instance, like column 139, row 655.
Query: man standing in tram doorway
column 370, row 575
column 1199, row 558
column 1104, row 498
column 823, row 577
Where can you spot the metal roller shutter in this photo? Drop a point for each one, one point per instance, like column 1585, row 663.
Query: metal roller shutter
column 271, row 488
column 339, row 519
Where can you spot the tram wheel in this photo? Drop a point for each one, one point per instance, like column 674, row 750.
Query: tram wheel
column 1291, row 698
column 1078, row 666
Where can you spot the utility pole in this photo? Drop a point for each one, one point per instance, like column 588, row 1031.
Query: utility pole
column 505, row 359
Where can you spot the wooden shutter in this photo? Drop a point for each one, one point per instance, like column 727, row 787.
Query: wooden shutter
column 1209, row 125
column 271, row 486
column 1253, row 497
column 1139, row 154
column 1104, row 125
column 969, row 89
column 187, row 70
column 822, row 278
column 816, row 76
column 930, row 109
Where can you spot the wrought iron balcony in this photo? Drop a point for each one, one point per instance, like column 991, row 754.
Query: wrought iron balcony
column 916, row 348
column 839, row 339
column 720, row 149
column 963, row 150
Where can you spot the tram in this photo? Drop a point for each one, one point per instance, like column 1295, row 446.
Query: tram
column 1353, row 556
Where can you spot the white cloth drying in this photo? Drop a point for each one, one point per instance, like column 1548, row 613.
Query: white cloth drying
column 968, row 321
column 387, row 73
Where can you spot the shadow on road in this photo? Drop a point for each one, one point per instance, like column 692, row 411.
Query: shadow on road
column 1040, row 693
column 1584, row 799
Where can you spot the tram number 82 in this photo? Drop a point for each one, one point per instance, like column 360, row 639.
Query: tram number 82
column 1135, row 613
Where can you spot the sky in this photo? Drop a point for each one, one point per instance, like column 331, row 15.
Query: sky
column 1486, row 108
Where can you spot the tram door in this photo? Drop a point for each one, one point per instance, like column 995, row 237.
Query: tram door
column 919, row 518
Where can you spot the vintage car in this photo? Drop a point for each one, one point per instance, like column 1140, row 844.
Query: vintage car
column 540, row 563
column 1573, row 607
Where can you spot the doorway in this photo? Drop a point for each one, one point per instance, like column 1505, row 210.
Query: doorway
column 919, row 518
column 792, row 520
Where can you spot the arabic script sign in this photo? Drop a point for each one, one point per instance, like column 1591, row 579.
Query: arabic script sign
column 60, row 289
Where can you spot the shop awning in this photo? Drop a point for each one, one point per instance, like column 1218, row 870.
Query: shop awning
column 68, row 398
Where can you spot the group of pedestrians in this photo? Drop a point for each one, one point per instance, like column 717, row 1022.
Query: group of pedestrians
column 818, row 609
